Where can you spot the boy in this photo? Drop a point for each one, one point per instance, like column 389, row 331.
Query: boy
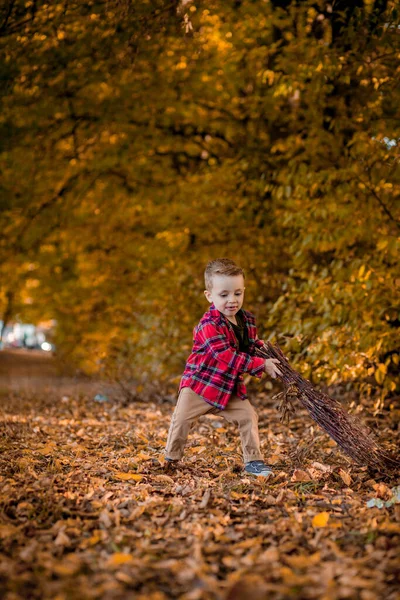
column 223, row 349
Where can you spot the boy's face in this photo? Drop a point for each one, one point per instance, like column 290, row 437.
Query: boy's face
column 227, row 293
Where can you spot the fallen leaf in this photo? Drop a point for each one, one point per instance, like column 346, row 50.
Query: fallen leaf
column 27, row 553
column 321, row 520
column 105, row 518
column 70, row 565
column 143, row 456
column 321, row 467
column 302, row 561
column 270, row 555
column 345, row 477
column 269, row 500
column 316, row 474
column 128, row 476
column 237, row 495
column 292, row 579
column 163, row 479
column 198, row 449
column 62, row 539
column 205, row 500
column 47, row 449
column 7, row 531
column 389, row 527
column 382, row 491
column 119, row 558
column 299, row 475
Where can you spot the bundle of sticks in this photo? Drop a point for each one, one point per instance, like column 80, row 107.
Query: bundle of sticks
column 354, row 438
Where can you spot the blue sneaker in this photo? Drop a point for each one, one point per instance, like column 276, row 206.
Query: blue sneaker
column 258, row 468
column 170, row 463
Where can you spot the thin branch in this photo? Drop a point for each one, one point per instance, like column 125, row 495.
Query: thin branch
column 379, row 200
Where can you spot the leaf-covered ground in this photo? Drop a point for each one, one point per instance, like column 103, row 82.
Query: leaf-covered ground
column 88, row 510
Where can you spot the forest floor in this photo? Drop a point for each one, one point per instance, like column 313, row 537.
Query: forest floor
column 88, row 510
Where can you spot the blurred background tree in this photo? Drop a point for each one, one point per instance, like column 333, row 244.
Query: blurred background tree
column 139, row 140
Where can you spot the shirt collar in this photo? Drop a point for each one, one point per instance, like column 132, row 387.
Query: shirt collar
column 216, row 314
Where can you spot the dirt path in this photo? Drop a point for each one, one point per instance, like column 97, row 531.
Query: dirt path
column 87, row 510
column 35, row 371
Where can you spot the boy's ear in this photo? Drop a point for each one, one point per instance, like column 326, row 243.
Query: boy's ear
column 207, row 295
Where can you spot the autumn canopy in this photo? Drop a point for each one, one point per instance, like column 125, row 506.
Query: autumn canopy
column 140, row 139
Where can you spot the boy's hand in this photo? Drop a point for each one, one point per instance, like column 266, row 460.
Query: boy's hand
column 271, row 368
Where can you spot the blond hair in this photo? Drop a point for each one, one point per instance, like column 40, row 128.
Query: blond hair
column 221, row 266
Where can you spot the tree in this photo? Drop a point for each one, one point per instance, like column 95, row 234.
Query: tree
column 148, row 138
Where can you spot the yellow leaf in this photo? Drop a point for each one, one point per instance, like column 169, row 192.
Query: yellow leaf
column 321, row 520
column 119, row 558
column 93, row 540
column 128, row 476
column 143, row 456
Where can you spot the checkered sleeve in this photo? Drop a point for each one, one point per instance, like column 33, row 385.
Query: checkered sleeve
column 215, row 342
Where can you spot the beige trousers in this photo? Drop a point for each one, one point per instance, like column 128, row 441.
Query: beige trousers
column 190, row 406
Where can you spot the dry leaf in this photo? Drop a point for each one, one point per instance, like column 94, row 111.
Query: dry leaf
column 105, row 518
column 269, row 555
column 198, row 449
column 62, row 521
column 62, row 539
column 7, row 531
column 70, row 565
column 237, row 495
column 47, row 449
column 303, row 561
column 299, row 475
column 345, row 477
column 321, row 467
column 382, row 491
column 206, row 498
column 163, row 479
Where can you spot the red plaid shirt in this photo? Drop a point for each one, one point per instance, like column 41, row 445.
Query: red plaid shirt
column 215, row 368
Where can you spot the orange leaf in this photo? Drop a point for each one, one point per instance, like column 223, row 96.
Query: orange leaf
column 128, row 476
column 119, row 558
column 321, row 520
